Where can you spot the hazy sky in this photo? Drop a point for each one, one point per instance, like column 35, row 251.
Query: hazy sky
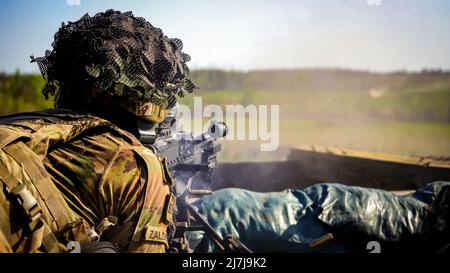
column 380, row 35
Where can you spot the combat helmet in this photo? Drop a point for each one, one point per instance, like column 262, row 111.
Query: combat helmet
column 118, row 55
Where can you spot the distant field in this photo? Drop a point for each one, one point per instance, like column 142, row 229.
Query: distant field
column 391, row 123
column 405, row 138
column 398, row 113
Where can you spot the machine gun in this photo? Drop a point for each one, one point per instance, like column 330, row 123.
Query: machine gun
column 191, row 161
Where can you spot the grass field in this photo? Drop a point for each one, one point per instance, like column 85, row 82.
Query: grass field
column 397, row 113
column 405, row 138
column 354, row 120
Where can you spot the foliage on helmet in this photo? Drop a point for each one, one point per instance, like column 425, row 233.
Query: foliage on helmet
column 120, row 54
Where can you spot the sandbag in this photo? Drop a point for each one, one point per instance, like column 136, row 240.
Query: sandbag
column 265, row 222
column 363, row 212
column 289, row 221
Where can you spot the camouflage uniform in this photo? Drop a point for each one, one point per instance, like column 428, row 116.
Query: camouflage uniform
column 70, row 172
column 100, row 170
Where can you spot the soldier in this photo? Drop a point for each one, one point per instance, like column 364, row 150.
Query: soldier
column 78, row 172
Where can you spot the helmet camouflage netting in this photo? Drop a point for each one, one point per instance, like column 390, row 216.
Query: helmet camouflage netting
column 120, row 54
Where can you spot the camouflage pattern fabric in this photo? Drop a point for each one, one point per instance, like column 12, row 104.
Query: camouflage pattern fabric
column 121, row 55
column 102, row 172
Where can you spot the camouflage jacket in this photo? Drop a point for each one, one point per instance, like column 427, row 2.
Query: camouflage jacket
column 102, row 172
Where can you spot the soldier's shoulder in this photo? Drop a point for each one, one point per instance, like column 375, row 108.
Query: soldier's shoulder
column 50, row 115
column 65, row 127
